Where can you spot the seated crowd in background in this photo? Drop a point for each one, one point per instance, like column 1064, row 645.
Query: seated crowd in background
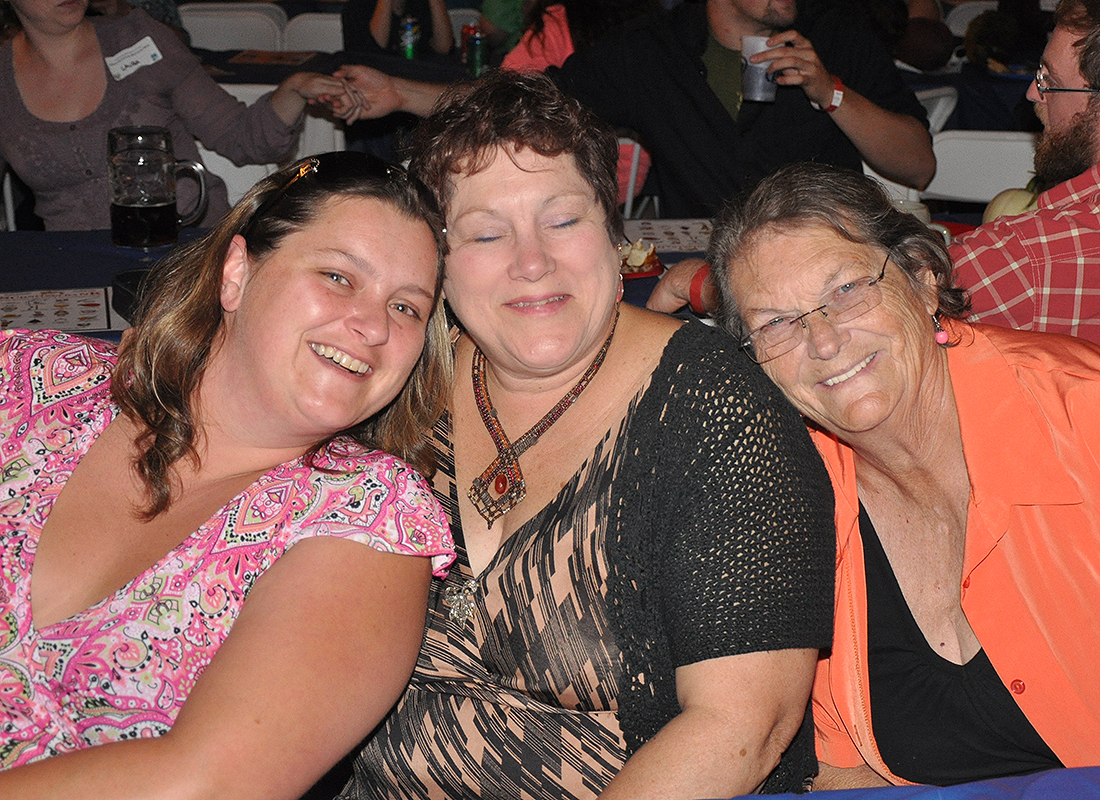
column 63, row 86
column 673, row 78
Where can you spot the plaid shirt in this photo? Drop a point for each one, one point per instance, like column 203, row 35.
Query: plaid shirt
column 1039, row 271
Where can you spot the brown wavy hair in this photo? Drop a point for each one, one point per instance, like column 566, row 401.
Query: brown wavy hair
column 514, row 110
column 853, row 205
column 180, row 315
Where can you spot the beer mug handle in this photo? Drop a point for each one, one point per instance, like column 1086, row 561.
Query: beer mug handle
column 199, row 172
column 942, row 230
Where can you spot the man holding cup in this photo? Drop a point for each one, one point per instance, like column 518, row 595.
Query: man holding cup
column 674, row 78
column 677, row 78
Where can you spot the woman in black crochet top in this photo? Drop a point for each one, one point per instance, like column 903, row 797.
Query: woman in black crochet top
column 644, row 530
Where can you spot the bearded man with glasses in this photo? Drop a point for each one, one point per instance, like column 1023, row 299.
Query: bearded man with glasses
column 1037, row 270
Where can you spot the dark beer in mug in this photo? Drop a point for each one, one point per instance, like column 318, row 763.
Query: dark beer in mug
column 144, row 225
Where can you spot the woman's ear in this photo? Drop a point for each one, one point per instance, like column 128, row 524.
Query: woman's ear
column 234, row 274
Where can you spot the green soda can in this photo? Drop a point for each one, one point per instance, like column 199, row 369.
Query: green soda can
column 409, row 37
column 476, row 55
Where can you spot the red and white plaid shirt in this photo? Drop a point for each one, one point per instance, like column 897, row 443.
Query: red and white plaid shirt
column 1039, row 271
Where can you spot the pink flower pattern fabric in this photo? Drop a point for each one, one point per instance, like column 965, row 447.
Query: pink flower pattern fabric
column 123, row 668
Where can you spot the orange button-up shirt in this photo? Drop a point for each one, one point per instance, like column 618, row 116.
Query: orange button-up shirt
column 1029, row 411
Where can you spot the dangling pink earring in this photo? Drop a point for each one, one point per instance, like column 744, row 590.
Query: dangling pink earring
column 619, row 299
column 942, row 336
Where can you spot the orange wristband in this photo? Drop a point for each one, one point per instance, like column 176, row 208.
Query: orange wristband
column 695, row 294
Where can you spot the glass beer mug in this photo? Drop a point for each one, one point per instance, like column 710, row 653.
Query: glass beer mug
column 142, row 175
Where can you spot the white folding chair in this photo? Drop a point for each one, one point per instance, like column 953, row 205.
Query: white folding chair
column 276, row 12
column 960, row 17
column 314, row 32
column 234, row 26
column 897, row 191
column 320, row 135
column 939, row 103
column 975, row 166
column 459, row 18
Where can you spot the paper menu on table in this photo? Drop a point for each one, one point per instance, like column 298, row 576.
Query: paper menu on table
column 671, row 235
column 73, row 310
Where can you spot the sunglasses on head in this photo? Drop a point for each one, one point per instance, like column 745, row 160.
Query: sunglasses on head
column 330, row 170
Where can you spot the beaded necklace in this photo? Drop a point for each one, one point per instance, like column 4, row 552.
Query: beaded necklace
column 504, row 474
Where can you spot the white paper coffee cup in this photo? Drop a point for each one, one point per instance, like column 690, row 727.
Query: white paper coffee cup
column 757, row 84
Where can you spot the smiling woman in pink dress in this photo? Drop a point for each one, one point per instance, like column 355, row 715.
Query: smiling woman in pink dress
column 223, row 474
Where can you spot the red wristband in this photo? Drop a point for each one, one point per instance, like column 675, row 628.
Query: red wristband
column 838, row 96
column 695, row 294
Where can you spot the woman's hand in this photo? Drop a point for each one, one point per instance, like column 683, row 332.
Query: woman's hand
column 289, row 100
column 381, row 94
column 673, row 290
column 322, row 649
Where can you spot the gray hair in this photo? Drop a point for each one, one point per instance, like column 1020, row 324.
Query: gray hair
column 852, row 205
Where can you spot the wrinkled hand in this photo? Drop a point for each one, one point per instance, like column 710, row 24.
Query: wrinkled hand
column 333, row 93
column 673, row 291
column 375, row 92
column 797, row 65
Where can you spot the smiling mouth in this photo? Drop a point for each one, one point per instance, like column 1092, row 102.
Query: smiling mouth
column 536, row 303
column 340, row 358
column 853, row 371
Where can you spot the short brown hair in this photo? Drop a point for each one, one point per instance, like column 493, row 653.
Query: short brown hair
column 180, row 315
column 1083, row 17
column 513, row 110
column 853, row 205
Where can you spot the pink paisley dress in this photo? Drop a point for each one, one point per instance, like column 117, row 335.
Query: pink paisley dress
column 123, row 668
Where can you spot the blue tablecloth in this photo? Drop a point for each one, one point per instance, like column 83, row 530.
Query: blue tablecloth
column 1059, row 784
column 32, row 260
column 238, row 66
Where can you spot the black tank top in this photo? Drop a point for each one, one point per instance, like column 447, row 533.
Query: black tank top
column 936, row 722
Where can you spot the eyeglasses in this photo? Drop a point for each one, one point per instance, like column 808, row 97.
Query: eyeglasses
column 783, row 334
column 332, row 169
column 1042, row 83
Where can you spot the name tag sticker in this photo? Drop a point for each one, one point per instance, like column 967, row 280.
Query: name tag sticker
column 128, row 61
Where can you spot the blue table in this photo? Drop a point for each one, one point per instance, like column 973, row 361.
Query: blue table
column 32, row 260
column 1060, row 784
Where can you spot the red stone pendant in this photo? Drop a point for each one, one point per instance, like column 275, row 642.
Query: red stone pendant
column 501, row 483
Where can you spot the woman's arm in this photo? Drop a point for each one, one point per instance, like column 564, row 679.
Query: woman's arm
column 739, row 715
column 322, row 649
column 738, row 572
column 379, row 94
column 380, row 22
column 442, row 34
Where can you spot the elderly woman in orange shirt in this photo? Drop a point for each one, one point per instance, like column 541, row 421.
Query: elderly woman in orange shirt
column 966, row 464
